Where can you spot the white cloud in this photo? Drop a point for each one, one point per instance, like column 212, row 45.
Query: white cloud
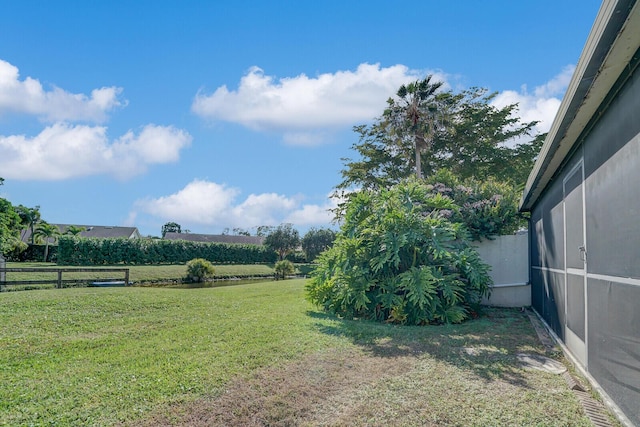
column 540, row 105
column 557, row 85
column 311, row 138
column 200, row 202
column 310, row 215
column 204, row 204
column 262, row 209
column 304, row 108
column 62, row 151
column 29, row 97
column 154, row 144
column 130, row 221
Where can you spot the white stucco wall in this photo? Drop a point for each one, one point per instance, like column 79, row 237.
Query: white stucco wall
column 508, row 257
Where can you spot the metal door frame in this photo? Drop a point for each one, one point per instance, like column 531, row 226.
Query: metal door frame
column 575, row 344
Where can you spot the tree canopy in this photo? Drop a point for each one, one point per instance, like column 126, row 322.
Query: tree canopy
column 463, row 132
column 74, row 230
column 10, row 226
column 30, row 217
column 283, row 240
column 315, row 241
column 171, row 227
column 414, row 117
column 48, row 233
column 403, row 253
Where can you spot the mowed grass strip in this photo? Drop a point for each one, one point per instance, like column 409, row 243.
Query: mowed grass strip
column 259, row 354
column 138, row 274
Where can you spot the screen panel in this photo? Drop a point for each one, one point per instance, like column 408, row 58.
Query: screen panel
column 614, row 342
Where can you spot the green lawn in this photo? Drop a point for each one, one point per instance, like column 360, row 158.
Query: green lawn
column 88, row 356
column 138, row 274
column 168, row 356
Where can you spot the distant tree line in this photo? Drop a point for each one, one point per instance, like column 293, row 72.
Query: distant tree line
column 283, row 239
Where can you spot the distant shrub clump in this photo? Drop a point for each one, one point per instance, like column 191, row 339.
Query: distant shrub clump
column 199, row 269
column 284, row 268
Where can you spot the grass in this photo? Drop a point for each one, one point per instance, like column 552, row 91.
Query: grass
column 138, row 274
column 98, row 356
column 259, row 354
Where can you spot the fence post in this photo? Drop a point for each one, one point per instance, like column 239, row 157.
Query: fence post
column 59, row 279
column 126, row 277
column 3, row 264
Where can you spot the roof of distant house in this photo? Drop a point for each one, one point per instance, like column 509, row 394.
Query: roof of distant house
column 93, row 231
column 214, row 238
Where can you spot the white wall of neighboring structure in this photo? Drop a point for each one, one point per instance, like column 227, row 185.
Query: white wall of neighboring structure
column 508, row 257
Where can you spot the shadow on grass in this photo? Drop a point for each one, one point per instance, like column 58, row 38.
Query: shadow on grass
column 486, row 346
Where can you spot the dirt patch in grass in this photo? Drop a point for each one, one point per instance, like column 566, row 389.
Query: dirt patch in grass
column 294, row 394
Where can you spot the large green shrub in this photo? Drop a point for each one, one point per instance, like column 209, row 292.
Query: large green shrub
column 199, row 269
column 399, row 258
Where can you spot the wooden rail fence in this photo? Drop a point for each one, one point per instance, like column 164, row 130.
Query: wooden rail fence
column 59, row 271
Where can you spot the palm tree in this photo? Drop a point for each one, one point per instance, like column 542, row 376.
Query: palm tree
column 29, row 217
column 74, row 230
column 416, row 114
column 47, row 232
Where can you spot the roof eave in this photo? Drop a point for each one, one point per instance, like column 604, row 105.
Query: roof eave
column 614, row 38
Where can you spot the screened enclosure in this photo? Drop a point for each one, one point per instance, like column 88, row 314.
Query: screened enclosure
column 584, row 199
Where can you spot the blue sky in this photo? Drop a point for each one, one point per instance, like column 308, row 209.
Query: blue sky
column 236, row 114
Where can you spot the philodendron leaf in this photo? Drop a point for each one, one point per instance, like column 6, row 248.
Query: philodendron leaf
column 419, row 285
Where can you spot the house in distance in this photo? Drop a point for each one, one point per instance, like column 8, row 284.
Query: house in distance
column 92, row 231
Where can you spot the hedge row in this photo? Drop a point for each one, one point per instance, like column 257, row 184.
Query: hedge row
column 82, row 251
column 33, row 253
